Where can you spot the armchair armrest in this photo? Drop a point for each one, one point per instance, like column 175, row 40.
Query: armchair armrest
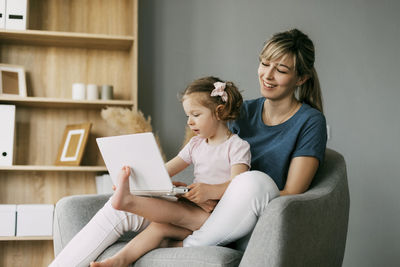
column 308, row 229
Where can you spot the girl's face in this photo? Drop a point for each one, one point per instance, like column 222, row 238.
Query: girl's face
column 278, row 78
column 201, row 119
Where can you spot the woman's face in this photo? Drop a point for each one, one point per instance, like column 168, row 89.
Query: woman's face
column 278, row 78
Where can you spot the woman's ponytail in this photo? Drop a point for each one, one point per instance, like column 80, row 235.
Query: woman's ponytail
column 310, row 92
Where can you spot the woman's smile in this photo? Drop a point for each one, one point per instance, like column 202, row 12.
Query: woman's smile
column 268, row 85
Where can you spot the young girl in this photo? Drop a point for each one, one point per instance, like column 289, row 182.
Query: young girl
column 218, row 156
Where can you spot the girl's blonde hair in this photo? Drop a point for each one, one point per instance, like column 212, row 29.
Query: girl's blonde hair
column 224, row 110
column 296, row 44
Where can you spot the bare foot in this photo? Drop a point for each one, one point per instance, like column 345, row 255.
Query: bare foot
column 122, row 194
column 110, row 262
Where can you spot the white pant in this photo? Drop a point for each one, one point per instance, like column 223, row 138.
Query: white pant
column 101, row 231
column 234, row 217
column 237, row 212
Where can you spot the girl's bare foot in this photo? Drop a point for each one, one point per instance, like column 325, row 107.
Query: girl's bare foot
column 110, row 262
column 122, row 194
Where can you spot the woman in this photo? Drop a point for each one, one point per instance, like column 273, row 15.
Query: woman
column 287, row 137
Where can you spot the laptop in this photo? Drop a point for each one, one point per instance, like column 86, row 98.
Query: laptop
column 148, row 176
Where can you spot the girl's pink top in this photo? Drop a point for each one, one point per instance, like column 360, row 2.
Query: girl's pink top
column 212, row 163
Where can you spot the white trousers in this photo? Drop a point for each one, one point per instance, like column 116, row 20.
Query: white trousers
column 237, row 212
column 101, row 231
column 233, row 218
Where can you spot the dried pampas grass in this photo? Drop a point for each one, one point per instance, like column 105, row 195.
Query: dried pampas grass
column 129, row 121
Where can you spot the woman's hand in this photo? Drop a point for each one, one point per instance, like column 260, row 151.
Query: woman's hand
column 199, row 193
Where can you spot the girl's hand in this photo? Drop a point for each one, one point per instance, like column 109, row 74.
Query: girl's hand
column 179, row 184
column 208, row 206
column 199, row 192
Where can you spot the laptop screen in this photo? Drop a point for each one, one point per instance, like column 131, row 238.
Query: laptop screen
column 141, row 153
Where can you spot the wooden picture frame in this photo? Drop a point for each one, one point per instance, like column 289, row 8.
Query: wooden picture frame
column 12, row 80
column 73, row 144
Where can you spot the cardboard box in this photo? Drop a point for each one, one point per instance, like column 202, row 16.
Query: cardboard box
column 35, row 220
column 17, row 14
column 7, row 219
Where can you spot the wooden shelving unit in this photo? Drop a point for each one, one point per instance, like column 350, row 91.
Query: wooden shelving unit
column 68, row 41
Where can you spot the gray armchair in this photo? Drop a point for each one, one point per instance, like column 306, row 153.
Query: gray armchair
column 309, row 229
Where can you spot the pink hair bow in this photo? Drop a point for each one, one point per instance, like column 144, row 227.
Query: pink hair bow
column 220, row 91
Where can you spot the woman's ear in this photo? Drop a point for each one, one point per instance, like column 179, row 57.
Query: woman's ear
column 302, row 80
column 218, row 110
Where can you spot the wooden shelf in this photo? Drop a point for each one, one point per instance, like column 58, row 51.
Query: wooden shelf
column 54, row 168
column 44, row 102
column 22, row 238
column 66, row 39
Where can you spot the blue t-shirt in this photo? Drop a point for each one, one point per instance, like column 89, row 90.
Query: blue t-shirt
column 273, row 147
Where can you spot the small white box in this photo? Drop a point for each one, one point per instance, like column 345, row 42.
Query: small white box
column 2, row 14
column 17, row 14
column 92, row 92
column 35, row 220
column 7, row 219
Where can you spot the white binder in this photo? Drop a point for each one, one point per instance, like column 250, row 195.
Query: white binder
column 2, row 14
column 7, row 134
column 17, row 14
column 8, row 214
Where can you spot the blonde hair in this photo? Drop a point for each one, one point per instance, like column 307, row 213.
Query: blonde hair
column 296, row 44
column 229, row 110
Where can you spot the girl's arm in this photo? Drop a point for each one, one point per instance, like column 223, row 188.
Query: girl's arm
column 175, row 166
column 301, row 172
column 200, row 193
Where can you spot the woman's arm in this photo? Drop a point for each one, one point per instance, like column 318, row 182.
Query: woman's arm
column 200, row 193
column 301, row 172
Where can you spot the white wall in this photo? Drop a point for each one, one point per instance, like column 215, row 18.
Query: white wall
column 357, row 58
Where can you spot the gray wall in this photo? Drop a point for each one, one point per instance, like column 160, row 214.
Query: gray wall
column 358, row 63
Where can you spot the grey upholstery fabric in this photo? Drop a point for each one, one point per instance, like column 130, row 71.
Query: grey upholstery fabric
column 183, row 257
column 309, row 229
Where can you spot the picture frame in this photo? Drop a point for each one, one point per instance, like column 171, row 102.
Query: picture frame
column 73, row 144
column 12, row 80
